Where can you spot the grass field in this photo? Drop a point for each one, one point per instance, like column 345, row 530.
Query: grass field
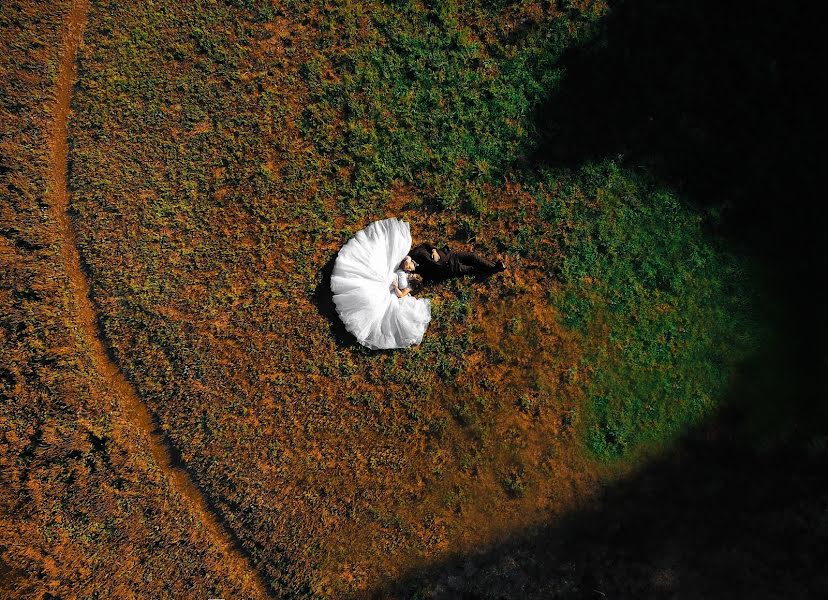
column 84, row 510
column 222, row 152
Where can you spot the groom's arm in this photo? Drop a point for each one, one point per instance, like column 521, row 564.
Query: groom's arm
column 422, row 252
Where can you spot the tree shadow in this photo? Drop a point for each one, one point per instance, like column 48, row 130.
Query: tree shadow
column 718, row 515
column 711, row 520
column 715, row 100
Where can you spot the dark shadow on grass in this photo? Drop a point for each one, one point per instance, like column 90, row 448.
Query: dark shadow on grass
column 727, row 512
column 717, row 100
column 322, row 299
column 711, row 520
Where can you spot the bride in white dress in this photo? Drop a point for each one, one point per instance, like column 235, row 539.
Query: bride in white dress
column 371, row 290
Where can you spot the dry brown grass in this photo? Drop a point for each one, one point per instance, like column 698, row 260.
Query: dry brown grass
column 85, row 510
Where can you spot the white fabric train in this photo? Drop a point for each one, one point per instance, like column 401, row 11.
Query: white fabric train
column 362, row 280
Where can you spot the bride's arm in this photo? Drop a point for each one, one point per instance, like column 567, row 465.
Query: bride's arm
column 401, row 293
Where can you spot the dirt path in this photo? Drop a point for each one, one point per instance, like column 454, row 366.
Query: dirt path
column 163, row 452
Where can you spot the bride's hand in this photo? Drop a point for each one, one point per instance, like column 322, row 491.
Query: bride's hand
column 435, row 255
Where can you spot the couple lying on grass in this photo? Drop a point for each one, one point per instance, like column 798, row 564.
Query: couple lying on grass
column 371, row 283
column 435, row 264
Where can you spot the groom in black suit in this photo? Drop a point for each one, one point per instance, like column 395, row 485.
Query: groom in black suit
column 435, row 263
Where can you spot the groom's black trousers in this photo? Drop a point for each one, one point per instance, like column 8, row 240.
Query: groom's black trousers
column 469, row 262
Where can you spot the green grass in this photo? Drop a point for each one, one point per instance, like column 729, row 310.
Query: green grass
column 422, row 100
column 674, row 307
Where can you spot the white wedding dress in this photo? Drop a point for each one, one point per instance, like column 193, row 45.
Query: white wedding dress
column 362, row 280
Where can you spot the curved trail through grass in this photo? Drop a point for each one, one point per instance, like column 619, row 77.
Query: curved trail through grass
column 162, row 450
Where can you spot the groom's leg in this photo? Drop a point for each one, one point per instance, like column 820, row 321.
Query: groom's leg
column 470, row 262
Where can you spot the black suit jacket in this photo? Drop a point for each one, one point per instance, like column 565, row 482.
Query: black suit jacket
column 446, row 266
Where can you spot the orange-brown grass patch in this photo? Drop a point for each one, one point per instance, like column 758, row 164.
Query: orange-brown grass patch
column 85, row 510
